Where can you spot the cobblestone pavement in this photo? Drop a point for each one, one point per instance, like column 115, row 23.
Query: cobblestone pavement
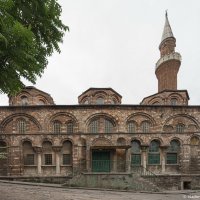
column 9, row 191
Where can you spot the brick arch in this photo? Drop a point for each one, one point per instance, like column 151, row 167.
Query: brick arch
column 106, row 115
column 157, row 139
column 145, row 115
column 65, row 114
column 101, row 142
column 175, row 138
column 115, row 97
column 155, row 99
column 188, row 117
column 175, row 95
column 136, row 139
column 26, row 139
column 47, row 139
column 8, row 119
column 100, row 94
column 67, row 139
column 64, row 117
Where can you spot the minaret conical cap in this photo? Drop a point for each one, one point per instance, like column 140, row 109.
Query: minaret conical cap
column 167, row 32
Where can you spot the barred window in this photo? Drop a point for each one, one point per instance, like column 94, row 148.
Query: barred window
column 154, row 153
column 56, row 127
column 172, row 152
column 180, row 128
column 94, row 126
column 70, row 127
column 48, row 159
column 108, row 126
column 22, row 126
column 29, row 159
column 131, row 127
column 66, row 159
column 135, row 153
column 145, row 127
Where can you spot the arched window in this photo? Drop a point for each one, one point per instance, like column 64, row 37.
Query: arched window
column 172, row 152
column 154, row 153
column 173, row 101
column 131, row 127
column 24, row 100
column 28, row 153
column 56, row 127
column 21, row 126
column 135, row 153
column 70, row 127
column 145, row 127
column 100, row 100
column 67, row 153
column 108, row 126
column 180, row 128
column 94, row 126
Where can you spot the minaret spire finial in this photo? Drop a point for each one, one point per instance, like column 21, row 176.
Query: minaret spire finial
column 166, row 15
column 167, row 32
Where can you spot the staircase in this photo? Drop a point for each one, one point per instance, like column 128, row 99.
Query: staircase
column 140, row 180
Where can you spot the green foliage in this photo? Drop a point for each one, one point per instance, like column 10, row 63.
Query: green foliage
column 30, row 30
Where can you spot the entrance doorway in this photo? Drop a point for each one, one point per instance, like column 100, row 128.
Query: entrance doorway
column 101, row 161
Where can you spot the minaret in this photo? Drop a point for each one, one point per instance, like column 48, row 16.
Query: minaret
column 168, row 65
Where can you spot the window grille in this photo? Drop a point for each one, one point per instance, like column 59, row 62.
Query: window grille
column 22, row 126
column 145, row 127
column 48, row 159
column 66, row 159
column 171, row 158
column 135, row 153
column 180, row 128
column 172, row 152
column 131, row 127
column 70, row 127
column 56, row 127
column 94, row 126
column 154, row 153
column 108, row 126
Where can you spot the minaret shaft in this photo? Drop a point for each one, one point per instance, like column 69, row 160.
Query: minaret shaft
column 168, row 65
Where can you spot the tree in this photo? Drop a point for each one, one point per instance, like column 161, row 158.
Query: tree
column 30, row 31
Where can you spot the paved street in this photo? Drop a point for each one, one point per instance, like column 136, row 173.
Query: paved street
column 10, row 191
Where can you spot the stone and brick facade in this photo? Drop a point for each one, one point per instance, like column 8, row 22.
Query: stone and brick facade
column 161, row 134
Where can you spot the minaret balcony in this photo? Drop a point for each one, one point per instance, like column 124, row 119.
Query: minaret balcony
column 171, row 56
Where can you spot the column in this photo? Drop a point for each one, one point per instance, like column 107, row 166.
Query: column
column 88, row 164
column 38, row 150
column 57, row 150
column 163, row 157
column 114, row 161
column 128, row 160
column 144, row 157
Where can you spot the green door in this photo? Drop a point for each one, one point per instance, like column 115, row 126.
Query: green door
column 101, row 161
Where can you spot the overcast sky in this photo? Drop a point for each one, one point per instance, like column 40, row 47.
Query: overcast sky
column 114, row 43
